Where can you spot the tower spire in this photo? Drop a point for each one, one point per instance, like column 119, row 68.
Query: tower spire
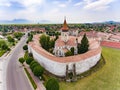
column 64, row 17
column 64, row 31
column 65, row 27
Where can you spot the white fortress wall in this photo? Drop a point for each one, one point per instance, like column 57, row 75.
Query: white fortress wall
column 86, row 64
column 59, row 68
column 56, row 68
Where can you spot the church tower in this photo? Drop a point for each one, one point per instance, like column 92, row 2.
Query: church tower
column 64, row 31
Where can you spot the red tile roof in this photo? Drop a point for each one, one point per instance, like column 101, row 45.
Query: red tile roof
column 71, row 42
column 115, row 37
column 110, row 44
column 89, row 34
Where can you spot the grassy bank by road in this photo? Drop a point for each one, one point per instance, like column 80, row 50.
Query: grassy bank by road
column 30, row 78
column 2, row 52
column 107, row 78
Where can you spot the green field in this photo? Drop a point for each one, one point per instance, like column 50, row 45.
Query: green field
column 107, row 78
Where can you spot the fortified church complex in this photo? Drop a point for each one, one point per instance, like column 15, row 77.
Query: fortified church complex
column 58, row 64
column 65, row 42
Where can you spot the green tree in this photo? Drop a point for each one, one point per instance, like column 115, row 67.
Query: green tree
column 10, row 39
column 26, row 55
column 30, row 54
column 44, row 41
column 3, row 45
column 52, row 84
column 25, row 47
column 33, row 62
column 72, row 50
column 68, row 53
column 30, row 37
column 51, row 43
column 34, row 65
column 57, row 35
column 29, row 60
column 83, row 47
column 38, row 70
column 21, row 60
column 18, row 35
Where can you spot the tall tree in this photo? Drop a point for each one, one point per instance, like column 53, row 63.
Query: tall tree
column 45, row 41
column 72, row 50
column 83, row 47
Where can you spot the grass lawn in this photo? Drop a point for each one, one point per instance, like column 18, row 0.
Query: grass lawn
column 107, row 78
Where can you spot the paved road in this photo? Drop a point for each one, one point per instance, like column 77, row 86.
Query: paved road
column 16, row 78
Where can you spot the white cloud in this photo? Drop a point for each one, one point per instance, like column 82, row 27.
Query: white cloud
column 102, row 8
column 55, row 2
column 88, row 1
column 28, row 3
column 5, row 3
column 54, row 11
column 78, row 4
column 59, row 4
column 69, row 1
column 29, row 12
column 62, row 5
column 25, row 3
column 97, row 5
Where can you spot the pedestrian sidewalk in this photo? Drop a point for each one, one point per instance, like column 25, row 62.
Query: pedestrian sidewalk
column 40, row 85
column 3, row 66
column 1, row 75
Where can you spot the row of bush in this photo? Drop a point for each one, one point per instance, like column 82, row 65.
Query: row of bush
column 30, row 36
column 36, row 68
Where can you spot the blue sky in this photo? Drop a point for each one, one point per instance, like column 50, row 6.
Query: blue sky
column 76, row 11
